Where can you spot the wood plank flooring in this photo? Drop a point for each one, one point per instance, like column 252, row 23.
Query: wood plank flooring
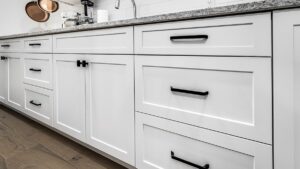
column 25, row 144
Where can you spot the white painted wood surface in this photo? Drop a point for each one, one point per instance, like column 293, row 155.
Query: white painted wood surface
column 247, row 35
column 156, row 138
column 287, row 89
column 110, row 105
column 3, row 80
column 105, row 41
column 15, row 73
column 42, row 112
column 14, row 45
column 239, row 100
column 40, row 44
column 42, row 62
column 70, row 96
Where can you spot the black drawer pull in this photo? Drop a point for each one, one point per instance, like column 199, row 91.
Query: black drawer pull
column 35, row 104
column 189, row 37
column 206, row 166
column 5, row 46
column 83, row 63
column 189, row 91
column 3, row 58
column 35, row 70
column 35, row 44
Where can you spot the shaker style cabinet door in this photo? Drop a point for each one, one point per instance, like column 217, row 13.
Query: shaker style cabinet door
column 15, row 97
column 287, row 89
column 110, row 105
column 3, row 78
column 69, row 110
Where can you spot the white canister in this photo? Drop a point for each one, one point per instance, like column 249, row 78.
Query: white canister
column 102, row 16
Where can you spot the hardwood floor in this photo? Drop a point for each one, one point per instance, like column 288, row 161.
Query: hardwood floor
column 25, row 144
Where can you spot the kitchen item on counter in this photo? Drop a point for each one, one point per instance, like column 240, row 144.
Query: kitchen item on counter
column 102, row 16
column 70, row 19
column 88, row 11
column 35, row 12
column 48, row 5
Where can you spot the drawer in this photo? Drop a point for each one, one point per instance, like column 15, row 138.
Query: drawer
column 12, row 45
column 105, row 41
column 248, row 35
column 41, row 44
column 39, row 104
column 38, row 70
column 226, row 94
column 161, row 142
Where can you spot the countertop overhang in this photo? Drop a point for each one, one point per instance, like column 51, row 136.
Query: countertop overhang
column 246, row 8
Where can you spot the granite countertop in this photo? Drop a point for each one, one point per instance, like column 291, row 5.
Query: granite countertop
column 262, row 6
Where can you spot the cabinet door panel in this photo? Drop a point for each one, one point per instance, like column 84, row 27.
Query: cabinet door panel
column 15, row 81
column 287, row 89
column 70, row 96
column 3, row 81
column 110, row 115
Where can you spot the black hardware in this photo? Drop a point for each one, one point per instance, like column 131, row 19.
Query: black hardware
column 35, row 44
column 83, row 63
column 35, row 70
column 189, row 91
column 3, row 58
column 36, row 104
column 206, row 166
column 5, row 46
column 189, row 37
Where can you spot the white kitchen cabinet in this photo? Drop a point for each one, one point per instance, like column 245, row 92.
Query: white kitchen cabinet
column 70, row 109
column 110, row 104
column 3, row 79
column 287, row 89
column 15, row 96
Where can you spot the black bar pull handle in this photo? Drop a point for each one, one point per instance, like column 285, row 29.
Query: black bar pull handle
column 189, row 38
column 35, row 104
column 35, row 44
column 35, row 70
column 3, row 58
column 5, row 46
column 206, row 166
column 189, row 91
column 83, row 63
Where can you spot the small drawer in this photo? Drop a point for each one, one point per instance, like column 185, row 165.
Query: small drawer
column 41, row 44
column 226, row 94
column 248, row 35
column 39, row 104
column 12, row 45
column 171, row 145
column 38, row 70
column 105, row 41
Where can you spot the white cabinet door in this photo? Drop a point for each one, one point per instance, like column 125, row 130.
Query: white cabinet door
column 69, row 111
column 15, row 81
column 287, row 89
column 110, row 114
column 3, row 79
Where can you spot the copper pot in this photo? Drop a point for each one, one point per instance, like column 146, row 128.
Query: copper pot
column 36, row 13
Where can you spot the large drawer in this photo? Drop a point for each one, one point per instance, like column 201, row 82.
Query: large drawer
column 40, row 44
column 105, row 41
column 248, row 35
column 39, row 104
column 226, row 94
column 161, row 142
column 38, row 70
column 12, row 45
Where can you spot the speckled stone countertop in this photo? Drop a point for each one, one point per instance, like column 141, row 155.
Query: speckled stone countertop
column 262, row 6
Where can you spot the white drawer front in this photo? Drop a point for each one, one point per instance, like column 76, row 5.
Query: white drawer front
column 13, row 45
column 39, row 104
column 106, row 41
column 41, row 44
column 248, row 35
column 38, row 70
column 234, row 93
column 156, row 138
